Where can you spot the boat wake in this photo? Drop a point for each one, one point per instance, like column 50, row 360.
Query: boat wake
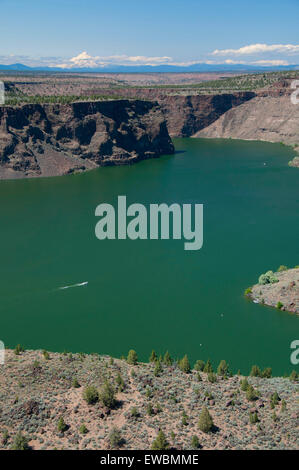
column 80, row 284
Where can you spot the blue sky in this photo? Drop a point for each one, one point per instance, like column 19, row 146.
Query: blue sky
column 94, row 32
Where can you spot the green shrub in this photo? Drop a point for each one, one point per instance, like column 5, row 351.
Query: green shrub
column 134, row 413
column 83, row 429
column 115, row 438
column 248, row 291
column 267, row 278
column 46, row 355
column 282, row 268
column 279, row 305
column 5, row 437
column 253, row 418
column 90, row 395
column 75, row 383
column 19, row 349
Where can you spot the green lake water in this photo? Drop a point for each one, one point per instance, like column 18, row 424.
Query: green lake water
column 152, row 294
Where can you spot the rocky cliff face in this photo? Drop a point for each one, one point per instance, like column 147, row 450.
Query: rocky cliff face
column 55, row 139
column 270, row 116
column 186, row 114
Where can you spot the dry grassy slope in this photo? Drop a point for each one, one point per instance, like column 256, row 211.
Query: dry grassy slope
column 34, row 396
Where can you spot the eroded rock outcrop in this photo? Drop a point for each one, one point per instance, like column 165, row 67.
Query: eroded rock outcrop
column 281, row 291
column 55, row 139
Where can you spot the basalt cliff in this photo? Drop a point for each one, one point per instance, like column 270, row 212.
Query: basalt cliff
column 56, row 139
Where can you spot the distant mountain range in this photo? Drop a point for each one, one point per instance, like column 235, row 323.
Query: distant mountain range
column 201, row 67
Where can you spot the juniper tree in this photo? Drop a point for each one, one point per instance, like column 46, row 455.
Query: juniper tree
column 5, row 437
column 115, row 438
column 267, row 373
column 223, row 368
column 293, row 376
column 251, row 393
column 205, row 422
column 106, row 395
column 283, row 405
column 83, row 429
column 46, row 355
column 199, row 365
column 253, row 418
column 212, row 377
column 61, row 425
column 194, row 442
column 153, row 357
column 160, row 443
column 134, row 412
column 158, row 369
column 167, row 359
column 75, row 383
column 132, row 357
column 184, row 364
column 255, row 371
column 18, row 349
column 120, row 382
column 90, row 395
column 20, row 442
column 244, row 385
column 275, row 398
column 208, row 367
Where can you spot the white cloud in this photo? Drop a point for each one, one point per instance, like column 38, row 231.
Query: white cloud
column 253, row 49
column 271, row 62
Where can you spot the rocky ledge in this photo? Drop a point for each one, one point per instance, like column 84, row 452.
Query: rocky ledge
column 56, row 139
column 279, row 289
